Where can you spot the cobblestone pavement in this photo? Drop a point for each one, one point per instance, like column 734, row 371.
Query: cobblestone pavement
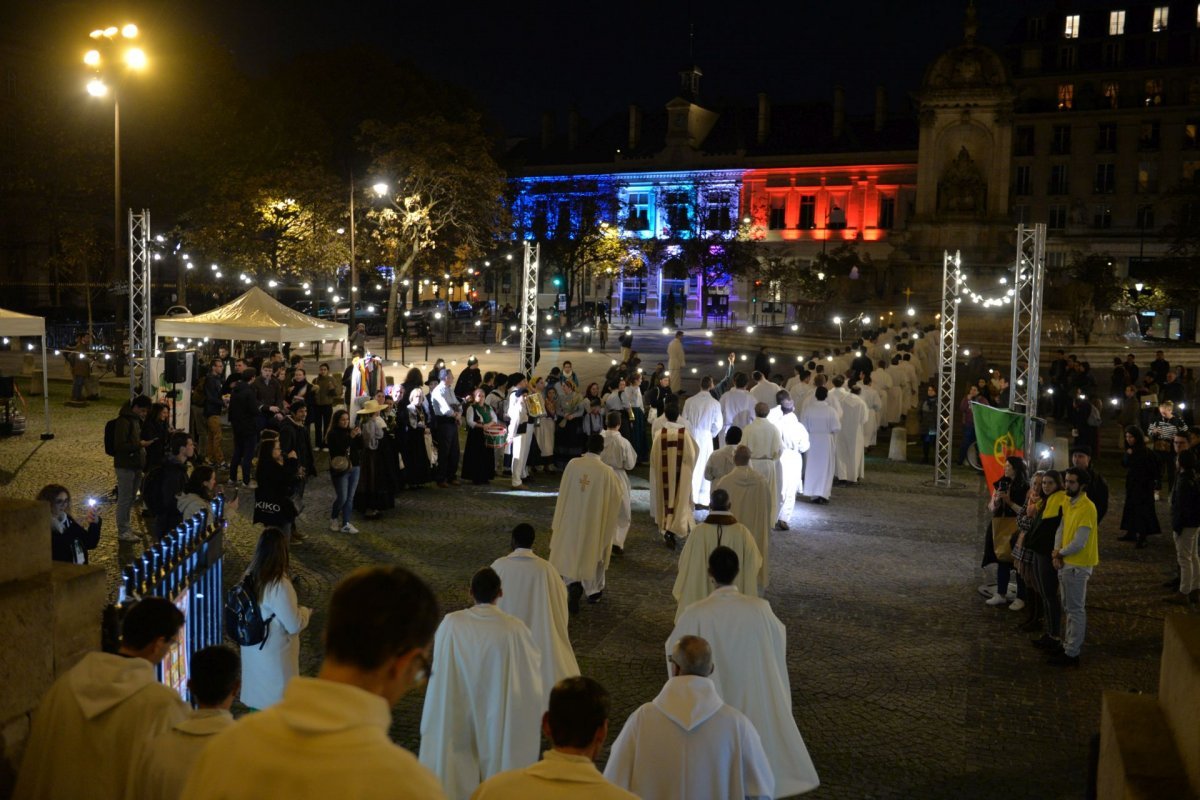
column 904, row 683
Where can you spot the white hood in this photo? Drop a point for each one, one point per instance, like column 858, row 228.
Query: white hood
column 102, row 681
column 688, row 700
column 312, row 705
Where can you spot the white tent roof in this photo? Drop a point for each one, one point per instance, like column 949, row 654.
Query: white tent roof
column 254, row 315
column 13, row 323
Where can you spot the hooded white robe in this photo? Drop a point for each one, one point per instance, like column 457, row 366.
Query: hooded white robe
column 688, row 743
column 164, row 762
column 737, row 408
column 869, row 395
column 765, row 391
column 766, row 445
column 822, row 423
column 88, row 726
column 585, row 521
column 702, row 415
column 749, row 646
column 719, row 464
column 533, row 592
column 753, row 503
column 672, row 461
column 619, row 454
column 483, row 705
column 884, row 382
column 789, row 470
column 719, row 530
column 850, row 445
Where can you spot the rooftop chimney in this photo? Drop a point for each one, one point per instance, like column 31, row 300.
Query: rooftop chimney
column 880, row 108
column 635, row 126
column 547, row 129
column 572, row 128
column 839, row 111
column 764, row 118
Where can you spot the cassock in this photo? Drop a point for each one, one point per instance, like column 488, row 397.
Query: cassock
column 765, row 391
column 850, row 461
column 520, row 436
column 689, row 743
column 753, row 503
column 533, row 592
column 737, row 408
column 749, row 646
column 822, row 424
column 790, row 468
column 884, row 382
column 672, row 460
column 483, row 705
column 619, row 454
column 720, row 463
column 675, row 363
column 704, row 420
column 719, row 530
column 766, row 445
column 585, row 521
column 874, row 421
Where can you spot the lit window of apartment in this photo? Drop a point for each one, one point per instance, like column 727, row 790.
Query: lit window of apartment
column 1116, row 23
column 1066, row 96
column 1057, row 218
column 1106, row 179
column 1059, row 180
column 1106, row 137
column 1159, row 21
column 1112, row 93
column 1153, row 93
column 1147, row 177
column 1102, row 216
column 1060, row 139
column 639, row 211
column 1191, row 134
column 1071, row 27
column 778, row 212
column 808, row 211
column 1021, row 179
column 887, row 213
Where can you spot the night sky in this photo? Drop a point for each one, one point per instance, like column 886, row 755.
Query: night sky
column 521, row 58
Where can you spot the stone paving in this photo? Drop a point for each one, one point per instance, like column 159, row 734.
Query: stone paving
column 904, row 683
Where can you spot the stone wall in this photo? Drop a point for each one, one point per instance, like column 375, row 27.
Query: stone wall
column 50, row 617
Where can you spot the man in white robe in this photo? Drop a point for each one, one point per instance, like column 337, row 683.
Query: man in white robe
column 585, row 523
column 790, row 468
column 672, row 460
column 754, row 504
column 874, row 403
column 485, row 696
column 619, row 454
column 520, row 432
column 328, row 737
column 749, row 646
column 93, row 720
column 737, row 405
column 689, row 743
column 764, row 389
column 535, row 594
column 702, row 414
column 720, row 529
column 720, row 463
column 576, row 726
column 850, row 444
column 766, row 445
column 670, row 418
column 822, row 423
column 675, row 361
column 884, row 380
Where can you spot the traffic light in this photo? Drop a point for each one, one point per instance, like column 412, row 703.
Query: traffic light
column 557, row 281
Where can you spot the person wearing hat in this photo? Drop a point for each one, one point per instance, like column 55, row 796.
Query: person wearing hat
column 375, row 489
column 1097, row 488
column 469, row 380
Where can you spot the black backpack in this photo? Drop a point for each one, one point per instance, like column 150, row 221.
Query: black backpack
column 110, row 437
column 244, row 623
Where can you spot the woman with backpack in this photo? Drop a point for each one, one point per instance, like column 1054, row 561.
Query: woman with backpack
column 268, row 666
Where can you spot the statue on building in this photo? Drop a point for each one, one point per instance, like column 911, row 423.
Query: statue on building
column 962, row 188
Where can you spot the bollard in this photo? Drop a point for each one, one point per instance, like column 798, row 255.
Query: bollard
column 898, row 450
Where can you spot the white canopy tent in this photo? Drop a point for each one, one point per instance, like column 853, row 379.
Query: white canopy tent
column 255, row 316
column 13, row 323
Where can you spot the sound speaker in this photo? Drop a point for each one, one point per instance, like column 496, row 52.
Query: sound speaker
column 175, row 367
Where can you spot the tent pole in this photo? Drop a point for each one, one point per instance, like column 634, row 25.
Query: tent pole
column 46, row 391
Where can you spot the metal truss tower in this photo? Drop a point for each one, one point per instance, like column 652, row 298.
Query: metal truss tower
column 947, row 359
column 1028, row 272
column 141, row 339
column 529, row 309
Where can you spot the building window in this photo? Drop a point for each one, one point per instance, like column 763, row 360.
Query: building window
column 1066, row 96
column 1156, row 51
column 887, row 213
column 1071, row 27
column 1067, row 57
column 1147, row 177
column 1191, row 134
column 1116, row 23
column 778, row 212
column 1112, row 93
column 1056, row 260
column 808, row 211
column 1060, row 139
column 1106, row 179
column 1106, row 137
column 1145, row 217
column 1102, row 217
column 1022, row 182
column 1159, row 22
column 1057, row 219
column 1059, row 182
column 639, row 211
column 1149, row 136
column 1034, row 26
column 677, row 211
column 1020, row 212
column 1113, row 53
column 1023, row 141
column 1153, row 94
column 719, row 217
column 541, row 218
column 562, row 227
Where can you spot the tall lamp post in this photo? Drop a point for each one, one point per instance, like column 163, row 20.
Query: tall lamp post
column 112, row 51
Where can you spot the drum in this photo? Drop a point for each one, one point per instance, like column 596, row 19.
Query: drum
column 495, row 435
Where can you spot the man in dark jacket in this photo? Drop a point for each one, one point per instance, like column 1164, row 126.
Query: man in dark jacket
column 129, row 459
column 268, row 394
column 293, row 436
column 243, row 418
column 469, row 379
column 214, row 404
column 173, row 477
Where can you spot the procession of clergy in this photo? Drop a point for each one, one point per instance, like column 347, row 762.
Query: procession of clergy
column 722, row 725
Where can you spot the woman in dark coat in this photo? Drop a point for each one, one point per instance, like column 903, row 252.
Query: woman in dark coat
column 155, row 430
column 376, row 487
column 415, row 450
column 1139, row 518
column 277, row 475
column 69, row 541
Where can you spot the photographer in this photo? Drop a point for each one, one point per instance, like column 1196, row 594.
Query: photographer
column 1007, row 500
column 69, row 541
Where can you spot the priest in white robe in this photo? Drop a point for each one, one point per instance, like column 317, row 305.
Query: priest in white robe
column 850, row 444
column 884, row 380
column 766, row 445
column 670, row 418
column 585, row 523
column 752, row 503
column 483, row 705
column 737, row 405
column 676, row 361
column 822, row 423
column 790, row 468
column 764, row 389
column 719, row 529
column 672, row 461
column 720, row 463
column 749, row 646
column 702, row 415
column 874, row 402
column 619, row 454
column 534, row 593
column 688, row 742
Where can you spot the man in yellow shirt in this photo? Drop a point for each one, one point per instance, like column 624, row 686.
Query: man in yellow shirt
column 1076, row 552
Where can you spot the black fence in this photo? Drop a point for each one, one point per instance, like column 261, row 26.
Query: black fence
column 185, row 568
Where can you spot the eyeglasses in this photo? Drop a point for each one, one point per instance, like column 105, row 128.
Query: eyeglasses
column 62, row 501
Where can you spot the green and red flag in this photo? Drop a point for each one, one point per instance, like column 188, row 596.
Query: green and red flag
column 999, row 433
